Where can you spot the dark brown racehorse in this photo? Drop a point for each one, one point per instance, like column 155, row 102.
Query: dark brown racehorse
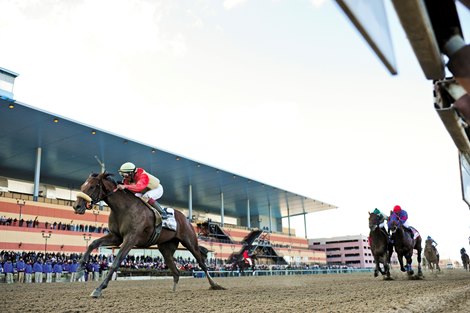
column 380, row 246
column 240, row 264
column 431, row 255
column 465, row 259
column 404, row 244
column 132, row 224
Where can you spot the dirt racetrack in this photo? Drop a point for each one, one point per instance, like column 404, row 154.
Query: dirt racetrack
column 448, row 291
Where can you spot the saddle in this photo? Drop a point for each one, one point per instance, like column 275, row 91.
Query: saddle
column 169, row 223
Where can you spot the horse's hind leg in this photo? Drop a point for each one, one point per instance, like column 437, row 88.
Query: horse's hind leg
column 193, row 247
column 168, row 250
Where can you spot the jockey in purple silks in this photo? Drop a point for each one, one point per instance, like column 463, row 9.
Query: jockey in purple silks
column 402, row 215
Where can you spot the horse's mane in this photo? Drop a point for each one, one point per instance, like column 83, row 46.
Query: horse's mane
column 106, row 176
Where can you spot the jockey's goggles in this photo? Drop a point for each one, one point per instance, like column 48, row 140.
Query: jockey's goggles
column 125, row 174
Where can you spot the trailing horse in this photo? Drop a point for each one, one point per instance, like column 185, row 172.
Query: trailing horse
column 404, row 244
column 431, row 255
column 465, row 259
column 132, row 224
column 380, row 246
column 238, row 263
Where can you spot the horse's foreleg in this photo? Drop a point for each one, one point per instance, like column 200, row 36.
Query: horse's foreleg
column 377, row 268
column 400, row 260
column 420, row 272
column 409, row 261
column 124, row 249
column 108, row 239
column 390, row 252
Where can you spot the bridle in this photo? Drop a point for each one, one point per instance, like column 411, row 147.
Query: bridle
column 376, row 224
column 91, row 200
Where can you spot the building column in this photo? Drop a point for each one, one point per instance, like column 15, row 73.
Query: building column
column 305, row 225
column 222, row 209
column 288, row 218
column 270, row 217
column 248, row 213
column 190, row 202
column 37, row 174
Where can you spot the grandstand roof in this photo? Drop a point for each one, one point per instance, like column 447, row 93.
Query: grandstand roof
column 68, row 155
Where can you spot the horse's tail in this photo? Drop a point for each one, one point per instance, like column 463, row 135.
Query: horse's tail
column 203, row 252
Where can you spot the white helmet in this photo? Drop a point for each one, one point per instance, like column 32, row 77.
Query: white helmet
column 127, row 167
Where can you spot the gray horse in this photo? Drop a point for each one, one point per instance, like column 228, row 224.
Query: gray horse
column 431, row 255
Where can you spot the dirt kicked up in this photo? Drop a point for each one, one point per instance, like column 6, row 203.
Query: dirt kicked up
column 448, row 291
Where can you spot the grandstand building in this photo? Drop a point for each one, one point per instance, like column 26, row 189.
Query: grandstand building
column 44, row 158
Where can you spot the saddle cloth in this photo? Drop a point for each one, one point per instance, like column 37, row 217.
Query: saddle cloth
column 415, row 232
column 170, row 222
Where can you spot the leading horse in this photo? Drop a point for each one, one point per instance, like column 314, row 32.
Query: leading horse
column 431, row 255
column 132, row 224
column 404, row 244
column 380, row 246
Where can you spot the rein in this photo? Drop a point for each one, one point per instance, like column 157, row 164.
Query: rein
column 91, row 202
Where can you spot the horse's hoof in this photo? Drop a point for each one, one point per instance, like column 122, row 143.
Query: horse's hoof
column 216, row 287
column 402, row 269
column 80, row 274
column 376, row 274
column 96, row 294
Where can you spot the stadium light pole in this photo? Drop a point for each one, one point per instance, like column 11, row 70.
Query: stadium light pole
column 86, row 237
column 46, row 236
column 96, row 212
column 220, row 256
column 20, row 203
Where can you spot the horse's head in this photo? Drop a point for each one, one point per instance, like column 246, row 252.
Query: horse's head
column 374, row 221
column 394, row 223
column 94, row 189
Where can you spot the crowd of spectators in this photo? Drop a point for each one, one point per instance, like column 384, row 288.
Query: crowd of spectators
column 28, row 267
column 53, row 226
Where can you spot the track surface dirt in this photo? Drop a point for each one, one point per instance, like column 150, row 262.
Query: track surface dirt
column 448, row 291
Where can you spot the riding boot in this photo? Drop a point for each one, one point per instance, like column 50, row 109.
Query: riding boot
column 157, row 206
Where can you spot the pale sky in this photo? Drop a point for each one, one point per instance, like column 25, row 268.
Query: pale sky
column 285, row 92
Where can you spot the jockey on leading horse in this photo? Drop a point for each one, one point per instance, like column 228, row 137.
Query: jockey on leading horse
column 400, row 214
column 143, row 185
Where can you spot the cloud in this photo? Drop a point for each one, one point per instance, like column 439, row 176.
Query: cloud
column 317, row 3
column 230, row 4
